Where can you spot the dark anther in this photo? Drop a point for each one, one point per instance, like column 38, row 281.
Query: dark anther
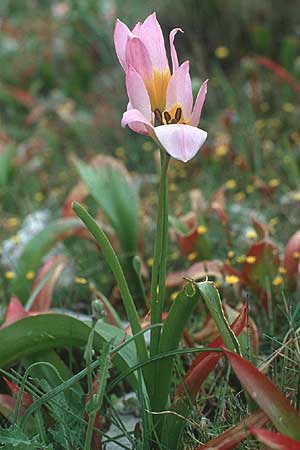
column 167, row 117
column 178, row 114
column 158, row 117
column 173, row 121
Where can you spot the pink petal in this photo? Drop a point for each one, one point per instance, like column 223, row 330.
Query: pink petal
column 136, row 29
column 199, row 104
column 137, row 93
column 15, row 311
column 121, row 34
column 152, row 37
column 181, row 141
column 173, row 49
column 137, row 56
column 137, row 122
column 180, row 90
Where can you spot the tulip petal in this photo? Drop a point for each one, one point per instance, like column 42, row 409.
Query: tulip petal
column 174, row 56
column 137, row 122
column 121, row 34
column 180, row 91
column 181, row 141
column 152, row 37
column 137, row 93
column 199, row 104
column 137, row 56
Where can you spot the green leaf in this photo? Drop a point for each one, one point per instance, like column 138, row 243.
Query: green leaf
column 14, row 438
column 118, row 199
column 115, row 266
column 44, row 332
column 211, row 297
column 177, row 319
column 37, row 248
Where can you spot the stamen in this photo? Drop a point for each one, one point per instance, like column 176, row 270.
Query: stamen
column 178, row 114
column 158, row 117
column 167, row 117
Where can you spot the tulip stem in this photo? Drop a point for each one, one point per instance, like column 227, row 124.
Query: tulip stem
column 159, row 268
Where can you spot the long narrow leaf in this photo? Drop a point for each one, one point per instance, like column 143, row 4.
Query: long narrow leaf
column 269, row 398
column 234, row 435
column 115, row 266
column 273, row 440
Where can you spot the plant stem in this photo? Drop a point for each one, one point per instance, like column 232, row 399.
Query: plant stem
column 160, row 256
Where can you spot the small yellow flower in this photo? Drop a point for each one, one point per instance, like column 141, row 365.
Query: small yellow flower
column 240, row 259
column 259, row 124
column 173, row 187
column 120, row 152
column 277, row 281
column 230, row 254
column 38, row 196
column 296, row 196
column 251, row 234
column 230, row 184
column 174, row 295
column 232, row 279
column 296, row 255
column 192, row 256
column 201, row 230
column 150, row 262
column 9, row 275
column 221, row 150
column 250, row 189
column 250, row 259
column 221, row 52
column 288, row 107
column 274, row 221
column 12, row 222
column 282, row 270
column 80, row 280
column 239, row 196
column 30, row 275
column 274, row 182
column 174, row 256
column 147, row 146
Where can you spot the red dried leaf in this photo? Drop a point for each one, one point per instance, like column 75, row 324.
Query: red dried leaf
column 218, row 205
column 26, row 400
column 204, row 363
column 7, row 406
column 291, row 258
column 279, row 71
column 42, row 301
column 274, row 440
column 267, row 395
column 96, row 439
column 15, row 311
column 233, row 436
column 187, row 242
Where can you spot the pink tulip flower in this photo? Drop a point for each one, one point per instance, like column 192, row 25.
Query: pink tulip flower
column 160, row 103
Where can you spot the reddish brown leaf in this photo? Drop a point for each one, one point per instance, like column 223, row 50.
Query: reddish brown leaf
column 204, row 363
column 279, row 71
column 15, row 311
column 42, row 301
column 213, row 268
column 291, row 258
column 218, row 205
column 267, row 395
column 234, row 435
column 26, row 400
column 274, row 440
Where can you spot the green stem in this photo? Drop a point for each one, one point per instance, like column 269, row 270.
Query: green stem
column 160, row 256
